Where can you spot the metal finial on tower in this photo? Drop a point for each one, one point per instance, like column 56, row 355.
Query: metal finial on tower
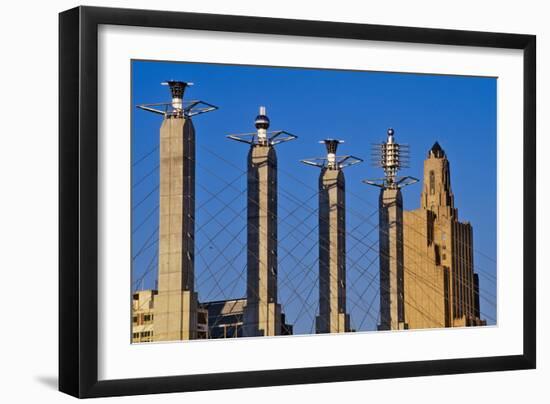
column 177, row 107
column 262, row 125
column 262, row 121
column 332, row 161
column 262, row 136
column 177, row 88
column 391, row 157
column 332, row 145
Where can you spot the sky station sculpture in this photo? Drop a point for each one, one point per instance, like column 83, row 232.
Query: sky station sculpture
column 262, row 313
column 391, row 157
column 177, row 303
column 333, row 316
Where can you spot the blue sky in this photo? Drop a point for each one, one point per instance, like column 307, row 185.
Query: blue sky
column 458, row 112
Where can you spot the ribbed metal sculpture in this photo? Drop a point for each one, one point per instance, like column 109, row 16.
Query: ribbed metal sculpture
column 391, row 157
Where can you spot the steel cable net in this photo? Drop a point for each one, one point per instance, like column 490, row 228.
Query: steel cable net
column 221, row 237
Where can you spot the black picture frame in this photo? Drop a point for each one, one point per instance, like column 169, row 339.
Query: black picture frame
column 78, row 200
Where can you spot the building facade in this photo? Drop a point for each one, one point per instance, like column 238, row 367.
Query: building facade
column 215, row 320
column 143, row 315
column 440, row 286
column 226, row 319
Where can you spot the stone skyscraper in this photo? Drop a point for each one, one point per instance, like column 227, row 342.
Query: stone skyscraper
column 441, row 288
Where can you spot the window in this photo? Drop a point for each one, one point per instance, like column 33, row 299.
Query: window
column 147, row 318
column 202, row 317
column 432, row 182
column 135, row 319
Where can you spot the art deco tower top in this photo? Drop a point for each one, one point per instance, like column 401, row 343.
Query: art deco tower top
column 436, row 151
column 437, row 194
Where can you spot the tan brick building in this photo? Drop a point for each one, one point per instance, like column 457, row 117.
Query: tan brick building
column 440, row 286
column 143, row 315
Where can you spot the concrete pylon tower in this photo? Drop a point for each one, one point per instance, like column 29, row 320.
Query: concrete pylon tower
column 333, row 316
column 262, row 313
column 391, row 157
column 176, row 303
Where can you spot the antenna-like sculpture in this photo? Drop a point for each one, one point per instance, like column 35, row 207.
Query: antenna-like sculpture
column 262, row 313
column 332, row 239
column 176, row 306
column 178, row 107
column 262, row 136
column 391, row 157
column 331, row 161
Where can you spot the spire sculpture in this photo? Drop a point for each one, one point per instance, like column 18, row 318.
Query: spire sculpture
column 332, row 239
column 176, row 304
column 391, row 157
column 262, row 313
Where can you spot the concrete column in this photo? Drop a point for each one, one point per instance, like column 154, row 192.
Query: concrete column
column 392, row 310
column 262, row 313
column 332, row 253
column 176, row 303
